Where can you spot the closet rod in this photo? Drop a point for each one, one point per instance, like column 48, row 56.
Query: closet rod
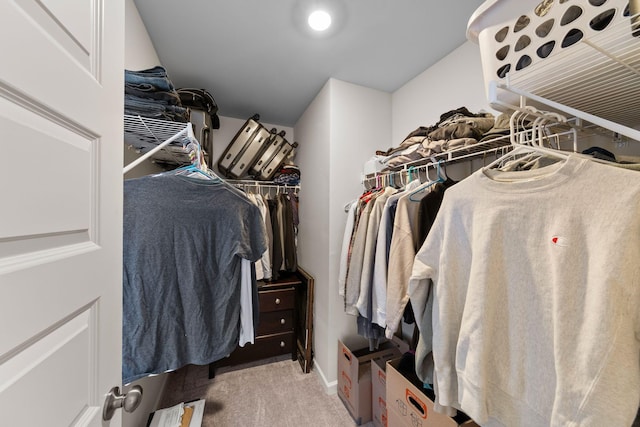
column 599, row 121
column 470, row 152
column 412, row 167
column 267, row 184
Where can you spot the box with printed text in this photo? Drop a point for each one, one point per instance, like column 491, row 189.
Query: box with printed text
column 354, row 377
column 411, row 406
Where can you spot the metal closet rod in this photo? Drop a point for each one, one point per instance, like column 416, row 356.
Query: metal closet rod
column 268, row 184
column 410, row 169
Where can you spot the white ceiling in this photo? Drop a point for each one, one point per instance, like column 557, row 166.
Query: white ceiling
column 256, row 56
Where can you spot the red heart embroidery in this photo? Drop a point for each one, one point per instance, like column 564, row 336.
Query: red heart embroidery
column 554, row 240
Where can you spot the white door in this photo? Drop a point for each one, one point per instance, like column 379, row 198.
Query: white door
column 61, row 104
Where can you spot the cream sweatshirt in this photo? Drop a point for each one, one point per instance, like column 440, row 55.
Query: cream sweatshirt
column 536, row 296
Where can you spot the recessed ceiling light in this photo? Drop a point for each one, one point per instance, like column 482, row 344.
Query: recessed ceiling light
column 319, row 20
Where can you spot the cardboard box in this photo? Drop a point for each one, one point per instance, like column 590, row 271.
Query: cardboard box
column 354, row 377
column 409, row 405
column 379, row 392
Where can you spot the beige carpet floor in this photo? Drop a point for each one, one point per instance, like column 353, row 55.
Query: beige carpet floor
column 274, row 394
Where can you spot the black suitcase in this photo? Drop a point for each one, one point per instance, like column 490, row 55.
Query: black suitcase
column 244, row 148
column 200, row 99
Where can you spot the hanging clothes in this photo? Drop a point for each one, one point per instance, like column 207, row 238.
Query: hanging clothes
column 368, row 256
column 363, row 303
column 263, row 267
column 247, row 280
column 276, row 244
column 356, row 259
column 428, row 209
column 184, row 239
column 366, row 326
column 284, row 233
column 381, row 260
column 402, row 252
column 528, row 293
column 346, row 244
column 288, row 231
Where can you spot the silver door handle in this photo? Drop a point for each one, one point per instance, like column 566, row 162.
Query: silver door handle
column 128, row 401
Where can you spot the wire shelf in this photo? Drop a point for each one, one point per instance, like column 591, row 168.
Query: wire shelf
column 144, row 134
column 482, row 149
column 600, row 75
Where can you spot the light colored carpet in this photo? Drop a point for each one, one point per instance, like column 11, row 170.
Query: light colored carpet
column 275, row 394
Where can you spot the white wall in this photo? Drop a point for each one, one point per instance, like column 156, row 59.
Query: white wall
column 139, row 53
column 339, row 131
column 313, row 129
column 453, row 82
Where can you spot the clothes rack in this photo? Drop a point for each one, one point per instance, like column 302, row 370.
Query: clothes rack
column 492, row 147
column 249, row 185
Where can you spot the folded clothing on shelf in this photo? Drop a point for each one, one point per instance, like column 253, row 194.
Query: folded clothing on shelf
column 288, row 174
column 456, row 129
column 150, row 93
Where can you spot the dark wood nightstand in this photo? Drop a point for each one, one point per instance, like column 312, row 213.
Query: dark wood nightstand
column 285, row 324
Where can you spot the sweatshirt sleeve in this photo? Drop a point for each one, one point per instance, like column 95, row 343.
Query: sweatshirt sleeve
column 401, row 255
column 422, row 292
column 346, row 242
column 379, row 295
column 421, row 296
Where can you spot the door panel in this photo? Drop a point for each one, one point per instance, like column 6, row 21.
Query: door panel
column 64, row 199
column 61, row 105
column 72, row 340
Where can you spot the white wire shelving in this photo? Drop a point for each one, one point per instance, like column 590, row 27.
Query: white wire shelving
column 162, row 141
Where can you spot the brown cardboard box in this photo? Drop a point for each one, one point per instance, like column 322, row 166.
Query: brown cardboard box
column 379, row 392
column 409, row 406
column 354, row 377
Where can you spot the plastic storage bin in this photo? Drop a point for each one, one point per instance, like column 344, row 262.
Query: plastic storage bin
column 555, row 47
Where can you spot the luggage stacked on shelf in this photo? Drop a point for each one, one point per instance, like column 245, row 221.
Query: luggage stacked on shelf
column 255, row 152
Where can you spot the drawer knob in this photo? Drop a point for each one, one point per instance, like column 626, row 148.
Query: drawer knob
column 282, row 321
column 282, row 344
column 277, row 300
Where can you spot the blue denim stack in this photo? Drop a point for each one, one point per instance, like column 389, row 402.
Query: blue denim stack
column 150, row 93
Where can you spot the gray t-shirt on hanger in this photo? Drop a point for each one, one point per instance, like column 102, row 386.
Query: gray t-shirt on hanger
column 184, row 239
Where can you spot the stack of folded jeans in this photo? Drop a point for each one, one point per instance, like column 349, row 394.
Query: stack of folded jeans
column 150, row 93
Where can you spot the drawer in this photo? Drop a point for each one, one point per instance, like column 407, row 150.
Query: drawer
column 276, row 300
column 275, row 321
column 274, row 345
column 265, row 346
